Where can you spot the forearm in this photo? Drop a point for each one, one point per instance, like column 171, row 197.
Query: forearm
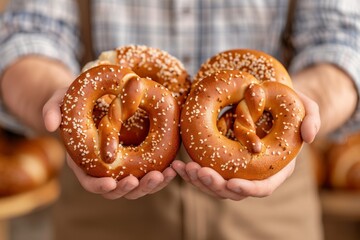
column 334, row 92
column 27, row 85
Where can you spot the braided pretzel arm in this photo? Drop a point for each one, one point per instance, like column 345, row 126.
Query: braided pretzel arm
column 97, row 150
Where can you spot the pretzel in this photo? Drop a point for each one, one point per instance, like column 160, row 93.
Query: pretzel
column 26, row 164
column 344, row 163
column 257, row 97
column 150, row 62
column 97, row 150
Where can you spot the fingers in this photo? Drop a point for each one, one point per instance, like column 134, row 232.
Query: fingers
column 91, row 184
column 217, row 184
column 311, row 123
column 169, row 174
column 123, row 187
column 205, row 179
column 212, row 183
column 149, row 182
column 188, row 172
column 261, row 188
column 192, row 169
column 129, row 187
column 152, row 182
column 179, row 166
column 51, row 110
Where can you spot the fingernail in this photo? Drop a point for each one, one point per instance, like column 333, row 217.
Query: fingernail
column 206, row 180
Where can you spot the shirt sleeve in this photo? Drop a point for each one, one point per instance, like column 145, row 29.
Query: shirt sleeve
column 329, row 31
column 47, row 28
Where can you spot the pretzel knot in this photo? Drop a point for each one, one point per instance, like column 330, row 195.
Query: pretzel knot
column 95, row 145
column 243, row 153
column 121, row 108
column 145, row 61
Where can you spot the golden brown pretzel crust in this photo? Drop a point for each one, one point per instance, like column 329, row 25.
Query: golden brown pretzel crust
column 245, row 154
column 259, row 64
column 28, row 164
column 158, row 65
column 98, row 150
column 344, row 163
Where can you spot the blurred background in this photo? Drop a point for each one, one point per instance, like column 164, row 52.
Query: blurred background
column 336, row 165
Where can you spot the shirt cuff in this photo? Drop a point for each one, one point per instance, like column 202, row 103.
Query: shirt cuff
column 9, row 122
column 345, row 58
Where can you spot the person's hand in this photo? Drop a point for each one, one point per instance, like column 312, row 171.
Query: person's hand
column 311, row 123
column 212, row 183
column 129, row 187
column 27, row 84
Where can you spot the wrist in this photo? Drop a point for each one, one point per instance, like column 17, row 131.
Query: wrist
column 28, row 83
column 332, row 89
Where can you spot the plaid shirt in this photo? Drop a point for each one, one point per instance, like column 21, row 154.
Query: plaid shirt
column 191, row 30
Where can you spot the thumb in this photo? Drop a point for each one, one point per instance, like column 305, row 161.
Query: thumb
column 51, row 110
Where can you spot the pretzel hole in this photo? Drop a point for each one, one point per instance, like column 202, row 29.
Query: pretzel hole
column 264, row 124
column 226, row 118
column 225, row 121
column 135, row 129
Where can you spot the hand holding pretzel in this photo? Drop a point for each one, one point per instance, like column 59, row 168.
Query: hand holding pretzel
column 97, row 150
column 147, row 62
column 205, row 178
column 129, row 186
column 247, row 156
column 226, row 153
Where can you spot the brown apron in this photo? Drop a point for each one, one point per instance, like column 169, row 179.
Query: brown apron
column 181, row 212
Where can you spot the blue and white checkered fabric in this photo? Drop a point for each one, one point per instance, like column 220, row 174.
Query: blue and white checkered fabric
column 191, row 30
